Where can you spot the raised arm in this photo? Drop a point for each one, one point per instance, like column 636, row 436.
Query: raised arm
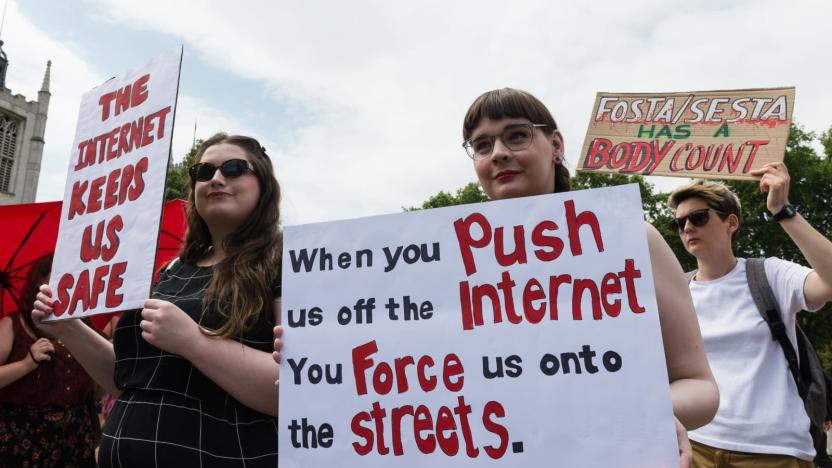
column 244, row 372
column 692, row 387
column 95, row 354
column 816, row 249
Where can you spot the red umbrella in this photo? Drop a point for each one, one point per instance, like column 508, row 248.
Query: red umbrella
column 29, row 231
column 171, row 232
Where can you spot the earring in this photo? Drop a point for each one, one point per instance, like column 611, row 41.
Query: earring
column 558, row 158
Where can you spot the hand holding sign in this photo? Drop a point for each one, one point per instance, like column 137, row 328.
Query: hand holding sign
column 542, row 328
column 685, row 450
column 774, row 181
column 42, row 309
column 114, row 190
column 278, row 344
column 168, row 327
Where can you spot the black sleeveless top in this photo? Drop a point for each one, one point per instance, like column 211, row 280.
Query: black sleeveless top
column 171, row 414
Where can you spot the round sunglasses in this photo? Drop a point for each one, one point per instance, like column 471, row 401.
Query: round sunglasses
column 697, row 218
column 231, row 169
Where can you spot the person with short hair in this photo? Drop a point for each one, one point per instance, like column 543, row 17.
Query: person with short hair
column 517, row 150
column 193, row 369
column 761, row 420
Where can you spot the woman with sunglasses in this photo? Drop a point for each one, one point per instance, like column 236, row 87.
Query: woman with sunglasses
column 761, row 419
column 192, row 368
column 518, row 151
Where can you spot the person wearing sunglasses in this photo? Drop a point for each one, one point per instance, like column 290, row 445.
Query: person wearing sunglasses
column 193, row 369
column 761, row 419
column 517, row 150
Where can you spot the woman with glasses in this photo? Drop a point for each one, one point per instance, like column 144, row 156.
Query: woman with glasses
column 518, row 151
column 192, row 368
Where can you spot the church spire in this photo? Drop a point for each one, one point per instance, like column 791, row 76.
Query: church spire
column 4, row 65
column 44, row 88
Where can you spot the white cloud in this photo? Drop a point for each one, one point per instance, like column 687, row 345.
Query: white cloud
column 29, row 47
column 389, row 82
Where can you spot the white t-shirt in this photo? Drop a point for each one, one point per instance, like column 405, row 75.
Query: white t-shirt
column 760, row 410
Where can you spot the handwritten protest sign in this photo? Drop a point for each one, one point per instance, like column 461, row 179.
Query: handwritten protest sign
column 707, row 134
column 510, row 333
column 115, row 184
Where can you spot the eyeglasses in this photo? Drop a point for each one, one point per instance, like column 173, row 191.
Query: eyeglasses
column 698, row 218
column 231, row 169
column 515, row 137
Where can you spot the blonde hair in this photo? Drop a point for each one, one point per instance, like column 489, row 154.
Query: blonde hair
column 716, row 195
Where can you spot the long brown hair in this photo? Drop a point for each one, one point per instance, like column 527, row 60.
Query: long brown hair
column 515, row 103
column 241, row 287
column 38, row 274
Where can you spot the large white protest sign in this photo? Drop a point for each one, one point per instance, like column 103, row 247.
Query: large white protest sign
column 513, row 333
column 115, row 185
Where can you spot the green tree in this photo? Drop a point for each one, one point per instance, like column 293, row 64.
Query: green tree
column 826, row 142
column 471, row 193
column 811, row 174
column 654, row 205
column 178, row 178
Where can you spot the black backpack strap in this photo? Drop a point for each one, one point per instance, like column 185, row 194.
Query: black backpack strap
column 763, row 296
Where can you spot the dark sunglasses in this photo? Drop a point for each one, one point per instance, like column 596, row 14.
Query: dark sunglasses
column 698, row 218
column 231, row 169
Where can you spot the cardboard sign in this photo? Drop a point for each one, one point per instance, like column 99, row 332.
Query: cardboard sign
column 706, row 134
column 510, row 333
column 114, row 191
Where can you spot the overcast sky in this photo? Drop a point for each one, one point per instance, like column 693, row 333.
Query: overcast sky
column 360, row 103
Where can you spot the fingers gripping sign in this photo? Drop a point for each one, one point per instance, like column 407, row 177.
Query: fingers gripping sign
column 774, row 180
column 278, row 345
column 278, row 335
column 43, row 300
column 168, row 327
column 42, row 308
column 685, row 450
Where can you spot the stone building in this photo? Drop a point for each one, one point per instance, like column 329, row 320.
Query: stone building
column 22, row 127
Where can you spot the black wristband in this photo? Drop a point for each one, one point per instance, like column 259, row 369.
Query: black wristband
column 37, row 363
column 786, row 212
